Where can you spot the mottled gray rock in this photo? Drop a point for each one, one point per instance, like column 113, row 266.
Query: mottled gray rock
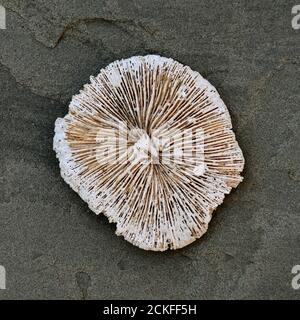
column 52, row 246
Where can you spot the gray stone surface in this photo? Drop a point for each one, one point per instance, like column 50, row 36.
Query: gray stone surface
column 52, row 246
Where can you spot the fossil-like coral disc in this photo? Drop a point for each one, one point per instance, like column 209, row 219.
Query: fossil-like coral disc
column 149, row 143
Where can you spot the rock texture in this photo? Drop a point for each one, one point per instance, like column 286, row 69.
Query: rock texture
column 48, row 237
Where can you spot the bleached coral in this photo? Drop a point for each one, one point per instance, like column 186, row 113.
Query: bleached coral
column 149, row 143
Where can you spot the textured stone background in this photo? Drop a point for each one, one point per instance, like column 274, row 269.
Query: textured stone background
column 50, row 243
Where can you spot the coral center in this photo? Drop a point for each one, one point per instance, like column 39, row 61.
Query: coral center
column 146, row 149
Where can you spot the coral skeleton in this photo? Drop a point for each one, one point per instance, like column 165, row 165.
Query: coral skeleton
column 149, row 143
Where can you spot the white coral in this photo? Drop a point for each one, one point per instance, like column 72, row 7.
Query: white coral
column 128, row 147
